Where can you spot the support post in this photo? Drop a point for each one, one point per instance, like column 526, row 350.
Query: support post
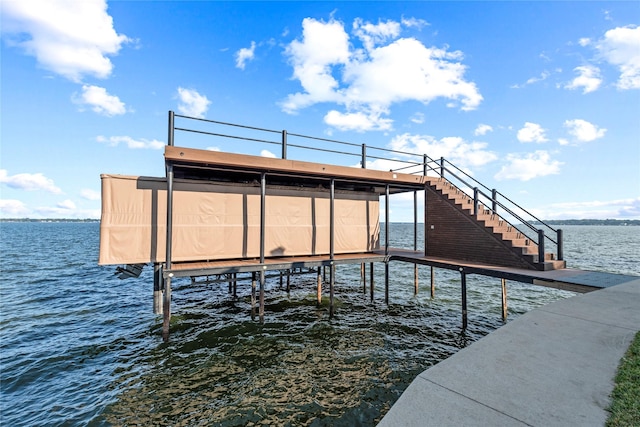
column 560, row 246
column 371, row 273
column 263, row 204
column 284, row 144
column 442, row 167
column 332, row 219
column 288, row 281
column 494, row 200
column 157, row 288
column 426, row 227
column 235, row 285
column 386, row 221
column 363, row 161
column 475, row 201
column 253, row 294
column 386, row 282
column 415, row 241
column 464, row 298
column 540, row 247
column 363, row 277
column 433, row 284
column 171, row 128
column 166, row 297
column 424, row 164
column 319, row 288
column 504, row 300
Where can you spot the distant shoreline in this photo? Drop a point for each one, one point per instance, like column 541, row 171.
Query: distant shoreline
column 619, row 222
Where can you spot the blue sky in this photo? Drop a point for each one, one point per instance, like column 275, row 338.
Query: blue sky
column 540, row 100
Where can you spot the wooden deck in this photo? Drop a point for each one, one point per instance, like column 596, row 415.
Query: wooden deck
column 568, row 279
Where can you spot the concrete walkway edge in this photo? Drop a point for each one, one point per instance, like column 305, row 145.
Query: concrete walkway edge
column 553, row 366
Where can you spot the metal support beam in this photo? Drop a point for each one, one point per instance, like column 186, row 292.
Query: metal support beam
column 332, row 281
column 332, row 220
column 253, row 294
column 371, row 280
column 166, row 297
column 560, row 246
column 363, row 277
column 386, row 282
column 426, row 227
column 363, row 161
column 540, row 246
column 463, row 288
column 284, row 144
column 319, row 288
column 415, row 241
column 386, row 220
column 157, row 288
column 433, row 284
column 261, row 302
column 504, row 299
column 263, row 204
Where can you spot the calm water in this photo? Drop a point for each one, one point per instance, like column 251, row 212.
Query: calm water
column 81, row 347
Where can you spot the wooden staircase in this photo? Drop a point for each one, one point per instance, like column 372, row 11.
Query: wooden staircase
column 494, row 226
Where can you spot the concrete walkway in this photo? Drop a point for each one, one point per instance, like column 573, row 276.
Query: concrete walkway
column 553, row 366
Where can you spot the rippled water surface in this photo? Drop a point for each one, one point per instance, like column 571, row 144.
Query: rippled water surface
column 81, row 347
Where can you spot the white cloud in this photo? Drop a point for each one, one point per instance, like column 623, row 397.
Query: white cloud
column 359, row 121
column 192, row 103
column 588, row 78
column 528, row 166
column 66, row 204
column 367, row 80
column 70, row 38
column 455, row 149
column 621, row 47
column 482, row 129
column 245, row 54
column 583, row 131
column 596, row 209
column 543, row 76
column 532, row 132
column 13, row 207
column 417, row 118
column 584, row 41
column 131, row 143
column 29, row 182
column 100, row 101
column 88, row 194
column 268, row 154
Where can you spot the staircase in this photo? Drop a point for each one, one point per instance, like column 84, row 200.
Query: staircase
column 494, row 227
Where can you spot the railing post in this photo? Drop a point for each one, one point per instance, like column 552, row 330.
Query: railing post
column 494, row 200
column 475, row 201
column 363, row 162
column 171, row 128
column 540, row 246
column 424, row 164
column 560, row 246
column 442, row 167
column 284, row 144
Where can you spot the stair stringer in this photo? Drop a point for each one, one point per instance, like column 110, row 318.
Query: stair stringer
column 455, row 234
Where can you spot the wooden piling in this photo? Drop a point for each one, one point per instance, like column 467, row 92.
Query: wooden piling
column 288, row 281
column 261, row 302
column 332, row 274
column 363, row 277
column 415, row 279
column 253, row 293
column 166, row 308
column 371, row 280
column 386, row 282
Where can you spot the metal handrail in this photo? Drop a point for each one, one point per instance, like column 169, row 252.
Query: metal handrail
column 441, row 168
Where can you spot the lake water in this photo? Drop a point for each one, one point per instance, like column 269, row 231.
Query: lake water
column 81, row 347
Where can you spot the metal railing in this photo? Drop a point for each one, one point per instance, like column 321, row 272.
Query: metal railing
column 491, row 199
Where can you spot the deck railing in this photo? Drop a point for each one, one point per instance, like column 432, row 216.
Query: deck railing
column 491, row 199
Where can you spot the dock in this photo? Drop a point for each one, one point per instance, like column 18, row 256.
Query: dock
column 240, row 216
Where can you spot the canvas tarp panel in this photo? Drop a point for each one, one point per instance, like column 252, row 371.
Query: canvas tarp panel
column 214, row 221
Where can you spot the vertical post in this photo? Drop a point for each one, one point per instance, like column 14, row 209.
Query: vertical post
column 371, row 280
column 263, row 221
column 504, row 300
column 494, row 200
column 475, row 201
column 363, row 162
column 319, row 287
column 415, row 241
column 280, row 287
column 442, row 167
column 425, row 221
column 166, row 300
column 171, row 128
column 332, row 218
column 284, row 144
column 541, row 246
column 363, row 277
column 157, row 288
column 253, row 293
column 464, row 298
column 235, row 285
column 386, row 221
column 433, row 284
column 386, row 282
column 560, row 246
column 424, row 164
column 288, row 281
